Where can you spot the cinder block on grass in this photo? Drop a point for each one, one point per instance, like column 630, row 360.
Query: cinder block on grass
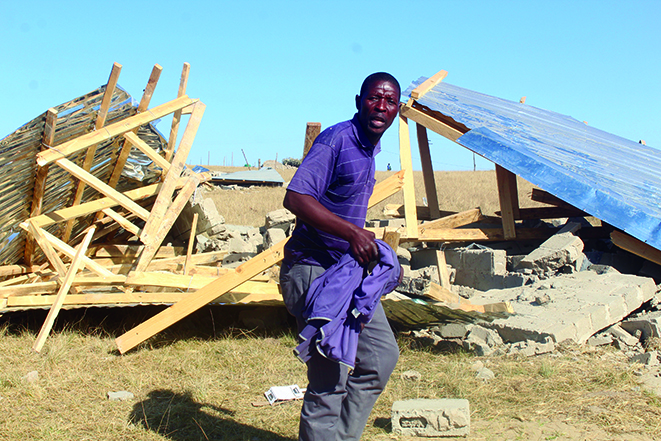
column 431, row 418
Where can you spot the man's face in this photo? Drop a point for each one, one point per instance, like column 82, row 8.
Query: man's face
column 377, row 108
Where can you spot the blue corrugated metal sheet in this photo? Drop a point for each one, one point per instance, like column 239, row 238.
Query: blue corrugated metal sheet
column 609, row 177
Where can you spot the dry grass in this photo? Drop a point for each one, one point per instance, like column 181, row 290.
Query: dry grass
column 457, row 191
column 190, row 384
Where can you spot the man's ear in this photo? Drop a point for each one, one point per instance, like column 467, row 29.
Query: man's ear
column 358, row 102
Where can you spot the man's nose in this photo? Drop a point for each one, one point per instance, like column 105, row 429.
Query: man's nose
column 381, row 105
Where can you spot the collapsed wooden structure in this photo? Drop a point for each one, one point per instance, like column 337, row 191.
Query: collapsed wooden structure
column 66, row 227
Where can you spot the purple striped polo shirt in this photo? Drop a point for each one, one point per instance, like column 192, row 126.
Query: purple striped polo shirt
column 338, row 171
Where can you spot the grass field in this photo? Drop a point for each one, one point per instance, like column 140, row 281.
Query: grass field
column 198, row 379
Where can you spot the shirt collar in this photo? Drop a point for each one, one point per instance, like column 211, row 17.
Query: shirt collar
column 362, row 137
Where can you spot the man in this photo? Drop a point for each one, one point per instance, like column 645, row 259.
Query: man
column 329, row 196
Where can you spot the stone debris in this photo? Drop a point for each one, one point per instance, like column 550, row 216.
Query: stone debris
column 120, row 396
column 431, row 418
column 32, row 377
column 411, row 375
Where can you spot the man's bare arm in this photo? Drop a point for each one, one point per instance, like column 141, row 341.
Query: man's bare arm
column 310, row 211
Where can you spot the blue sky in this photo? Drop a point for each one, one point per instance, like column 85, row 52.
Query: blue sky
column 266, row 68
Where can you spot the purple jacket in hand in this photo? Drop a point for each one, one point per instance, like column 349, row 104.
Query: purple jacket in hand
column 342, row 298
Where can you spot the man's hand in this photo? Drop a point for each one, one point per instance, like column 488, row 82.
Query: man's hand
column 363, row 247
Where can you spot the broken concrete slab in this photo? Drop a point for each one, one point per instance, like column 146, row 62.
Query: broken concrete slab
column 477, row 267
column 281, row 218
column 560, row 250
column 431, row 418
column 580, row 305
column 649, row 325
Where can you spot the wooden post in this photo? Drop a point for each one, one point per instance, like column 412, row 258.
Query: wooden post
column 406, row 164
column 191, row 242
column 64, row 289
column 176, row 117
column 312, row 130
column 427, row 171
column 48, row 139
column 509, row 200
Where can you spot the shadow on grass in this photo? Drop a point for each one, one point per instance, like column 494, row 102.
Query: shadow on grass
column 179, row 417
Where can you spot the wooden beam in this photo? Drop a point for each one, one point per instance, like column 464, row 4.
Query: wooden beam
column 47, row 248
column 386, row 188
column 471, row 234
column 636, row 246
column 548, row 213
column 191, row 242
column 64, row 289
column 149, row 89
column 113, row 130
column 427, row 171
column 406, row 164
column 176, row 117
column 150, row 152
column 397, row 210
column 70, row 252
column 164, row 198
column 452, row 221
column 509, row 200
column 312, row 130
column 430, row 122
column 122, row 221
column 14, row 270
column 428, row 84
column 165, row 224
column 91, row 150
column 442, row 266
column 392, row 238
column 195, row 301
column 47, row 139
column 65, row 214
column 107, row 96
column 103, row 188
column 193, row 283
column 543, row 196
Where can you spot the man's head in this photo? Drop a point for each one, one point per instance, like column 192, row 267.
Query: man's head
column 377, row 104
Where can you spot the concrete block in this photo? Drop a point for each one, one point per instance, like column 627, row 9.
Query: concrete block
column 431, row 418
column 273, row 236
column 646, row 358
column 281, row 218
column 452, row 330
column 477, row 267
column 620, row 334
column 649, row 325
column 562, row 249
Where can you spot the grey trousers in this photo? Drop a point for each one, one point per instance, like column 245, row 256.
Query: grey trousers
column 337, row 403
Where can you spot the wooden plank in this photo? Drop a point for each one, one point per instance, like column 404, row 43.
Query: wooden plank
column 48, row 139
column 150, row 152
column 103, row 188
column 636, row 246
column 195, row 282
column 191, row 242
column 452, row 221
column 166, row 223
column 91, row 150
column 14, row 270
column 539, row 195
column 397, row 210
column 392, row 238
column 64, row 289
column 176, row 117
column 65, row 214
column 312, row 130
column 149, row 89
column 509, row 202
column 430, row 122
column 143, row 298
column 113, row 130
column 107, row 96
column 428, row 84
column 50, row 287
column 406, row 165
column 164, row 198
column 427, row 171
column 444, row 295
column 548, row 213
column 122, row 221
column 47, row 248
column 442, row 266
column 200, row 298
column 119, row 166
column 70, row 252
column 472, row 234
column 386, row 188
